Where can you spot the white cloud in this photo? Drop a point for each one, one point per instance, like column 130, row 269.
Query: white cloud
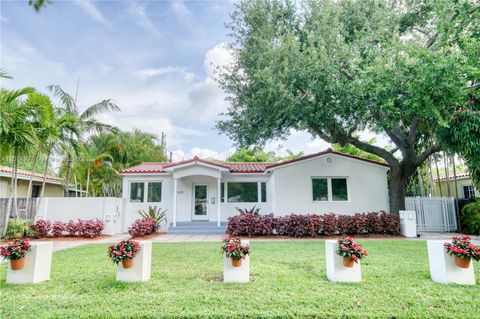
column 91, row 10
column 180, row 9
column 140, row 16
column 156, row 72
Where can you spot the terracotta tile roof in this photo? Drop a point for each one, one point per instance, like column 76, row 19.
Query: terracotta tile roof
column 233, row 167
column 24, row 174
column 459, row 175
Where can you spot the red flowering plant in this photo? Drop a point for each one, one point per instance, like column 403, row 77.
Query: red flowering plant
column 233, row 248
column 16, row 249
column 123, row 250
column 347, row 248
column 461, row 247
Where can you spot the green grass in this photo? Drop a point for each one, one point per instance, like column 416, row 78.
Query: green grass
column 288, row 279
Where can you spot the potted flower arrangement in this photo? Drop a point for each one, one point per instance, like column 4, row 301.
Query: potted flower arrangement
column 15, row 251
column 124, row 252
column 234, row 249
column 350, row 250
column 463, row 250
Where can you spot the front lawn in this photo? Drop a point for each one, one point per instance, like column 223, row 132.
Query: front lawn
column 288, row 279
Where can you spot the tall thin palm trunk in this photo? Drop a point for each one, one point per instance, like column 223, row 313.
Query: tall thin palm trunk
column 438, row 178
column 67, row 179
column 88, row 181
column 30, row 182
column 455, row 177
column 420, row 182
column 432, row 183
column 44, row 181
column 15, row 175
column 447, row 175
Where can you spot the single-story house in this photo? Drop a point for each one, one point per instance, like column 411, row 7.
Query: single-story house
column 53, row 184
column 465, row 186
column 202, row 190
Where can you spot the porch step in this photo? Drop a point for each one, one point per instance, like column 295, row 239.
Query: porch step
column 197, row 227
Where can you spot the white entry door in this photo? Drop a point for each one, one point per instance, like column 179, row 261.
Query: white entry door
column 200, row 202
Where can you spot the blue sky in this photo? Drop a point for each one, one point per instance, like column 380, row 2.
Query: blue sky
column 155, row 59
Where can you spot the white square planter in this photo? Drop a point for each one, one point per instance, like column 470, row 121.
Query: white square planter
column 38, row 262
column 142, row 265
column 408, row 223
column 443, row 268
column 336, row 271
column 236, row 274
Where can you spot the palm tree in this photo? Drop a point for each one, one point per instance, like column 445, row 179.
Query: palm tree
column 17, row 134
column 87, row 124
column 39, row 4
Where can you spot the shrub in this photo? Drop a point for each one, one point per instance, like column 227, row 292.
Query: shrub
column 252, row 211
column 470, row 218
column 72, row 228
column 156, row 214
column 142, row 227
column 17, row 228
column 90, row 228
column 58, row 228
column 42, row 227
column 346, row 224
column 312, row 225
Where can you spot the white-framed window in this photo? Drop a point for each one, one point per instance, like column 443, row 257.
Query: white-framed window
column 151, row 192
column 137, row 192
column 332, row 189
column 468, row 191
column 244, row 192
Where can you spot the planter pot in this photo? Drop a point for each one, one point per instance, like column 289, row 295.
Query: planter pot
column 348, row 262
column 127, row 263
column 17, row 264
column 462, row 262
column 236, row 262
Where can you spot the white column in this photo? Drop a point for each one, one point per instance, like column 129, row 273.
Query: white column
column 272, row 194
column 38, row 263
column 237, row 274
column 175, row 202
column 219, row 194
column 142, row 265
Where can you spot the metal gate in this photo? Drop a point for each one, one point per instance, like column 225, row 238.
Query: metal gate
column 434, row 214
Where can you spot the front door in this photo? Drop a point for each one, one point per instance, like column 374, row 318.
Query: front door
column 200, row 202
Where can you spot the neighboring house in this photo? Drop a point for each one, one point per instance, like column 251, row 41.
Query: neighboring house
column 53, row 185
column 325, row 182
column 465, row 187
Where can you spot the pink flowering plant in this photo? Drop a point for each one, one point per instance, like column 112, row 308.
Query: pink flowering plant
column 123, row 250
column 461, row 247
column 350, row 249
column 233, row 248
column 16, row 249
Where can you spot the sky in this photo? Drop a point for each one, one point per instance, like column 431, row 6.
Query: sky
column 154, row 59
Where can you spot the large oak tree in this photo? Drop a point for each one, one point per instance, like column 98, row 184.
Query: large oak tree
column 402, row 69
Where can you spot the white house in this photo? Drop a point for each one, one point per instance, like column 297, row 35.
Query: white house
column 201, row 190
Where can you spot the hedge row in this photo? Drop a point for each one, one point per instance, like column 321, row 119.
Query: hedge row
column 90, row 228
column 313, row 225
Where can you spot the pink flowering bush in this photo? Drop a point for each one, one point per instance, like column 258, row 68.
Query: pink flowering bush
column 123, row 250
column 58, row 228
column 461, row 247
column 90, row 228
column 16, row 249
column 348, row 248
column 72, row 228
column 233, row 248
column 142, row 227
column 41, row 227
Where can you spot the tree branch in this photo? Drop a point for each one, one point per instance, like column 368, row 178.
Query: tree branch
column 413, row 132
column 386, row 155
column 429, row 151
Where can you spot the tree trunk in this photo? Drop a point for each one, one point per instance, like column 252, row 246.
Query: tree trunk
column 397, row 186
column 438, row 178
column 88, row 181
column 10, row 198
column 447, row 175
column 420, row 182
column 30, row 182
column 432, row 183
column 15, row 170
column 44, row 179
column 67, row 179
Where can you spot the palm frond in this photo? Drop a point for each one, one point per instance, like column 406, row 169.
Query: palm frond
column 67, row 101
column 98, row 108
column 39, row 4
column 4, row 74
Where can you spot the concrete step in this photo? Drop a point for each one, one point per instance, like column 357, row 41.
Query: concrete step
column 199, row 223
column 196, row 232
column 206, row 228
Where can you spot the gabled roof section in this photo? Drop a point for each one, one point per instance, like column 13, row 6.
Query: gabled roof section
column 6, row 171
column 232, row 167
column 328, row 151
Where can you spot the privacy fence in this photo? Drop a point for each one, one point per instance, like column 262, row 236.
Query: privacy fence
column 25, row 210
column 434, row 214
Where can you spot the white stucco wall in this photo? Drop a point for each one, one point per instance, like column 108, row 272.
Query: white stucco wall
column 366, row 183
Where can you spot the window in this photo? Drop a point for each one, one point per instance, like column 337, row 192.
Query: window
column 222, row 192
column 136, row 192
column 263, row 188
column 329, row 189
column 468, row 191
column 242, row 192
column 154, row 192
column 320, row 189
column 339, row 189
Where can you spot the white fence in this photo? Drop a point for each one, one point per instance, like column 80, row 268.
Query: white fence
column 434, row 214
column 108, row 209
